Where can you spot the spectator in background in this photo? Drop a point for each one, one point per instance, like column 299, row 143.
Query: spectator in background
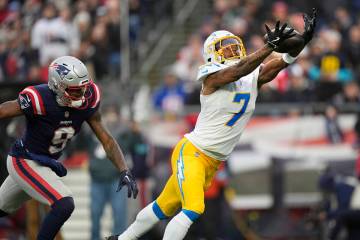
column 170, row 96
column 136, row 149
column 280, row 11
column 333, row 130
column 54, row 36
column 113, row 31
column 99, row 40
column 350, row 94
column 3, row 10
column 30, row 11
column 343, row 20
column 336, row 199
column 189, row 59
column 82, row 21
column 298, row 88
column 104, row 179
column 352, row 49
column 134, row 21
column 330, row 69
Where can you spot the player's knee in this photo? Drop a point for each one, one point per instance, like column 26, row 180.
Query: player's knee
column 158, row 211
column 197, row 207
column 3, row 214
column 193, row 216
column 64, row 206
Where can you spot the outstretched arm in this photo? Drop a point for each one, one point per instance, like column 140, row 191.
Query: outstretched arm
column 233, row 73
column 248, row 64
column 111, row 147
column 10, row 109
column 114, row 153
column 271, row 69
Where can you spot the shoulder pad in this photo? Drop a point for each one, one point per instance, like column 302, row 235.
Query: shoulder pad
column 209, row 68
column 95, row 95
column 31, row 96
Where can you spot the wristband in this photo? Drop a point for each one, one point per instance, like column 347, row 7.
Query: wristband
column 288, row 59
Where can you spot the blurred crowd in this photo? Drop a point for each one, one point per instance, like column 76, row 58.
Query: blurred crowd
column 326, row 71
column 34, row 32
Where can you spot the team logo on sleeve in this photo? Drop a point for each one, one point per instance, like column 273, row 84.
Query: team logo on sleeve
column 61, row 70
column 24, row 101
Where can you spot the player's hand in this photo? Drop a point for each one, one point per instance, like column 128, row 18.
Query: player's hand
column 278, row 35
column 127, row 179
column 309, row 26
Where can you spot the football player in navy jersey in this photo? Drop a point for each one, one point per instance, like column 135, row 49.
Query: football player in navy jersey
column 54, row 114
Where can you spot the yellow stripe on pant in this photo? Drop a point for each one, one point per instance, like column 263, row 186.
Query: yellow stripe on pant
column 192, row 174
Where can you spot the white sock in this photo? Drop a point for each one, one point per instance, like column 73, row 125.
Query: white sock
column 177, row 227
column 144, row 221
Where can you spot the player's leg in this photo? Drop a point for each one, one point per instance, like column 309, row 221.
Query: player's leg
column 42, row 184
column 190, row 179
column 11, row 197
column 99, row 197
column 194, row 173
column 153, row 213
column 163, row 207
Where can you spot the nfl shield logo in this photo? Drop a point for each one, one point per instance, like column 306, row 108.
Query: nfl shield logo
column 67, row 114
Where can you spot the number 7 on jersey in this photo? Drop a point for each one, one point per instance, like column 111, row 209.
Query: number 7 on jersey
column 237, row 99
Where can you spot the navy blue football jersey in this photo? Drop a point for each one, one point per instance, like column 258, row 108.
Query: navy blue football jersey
column 50, row 126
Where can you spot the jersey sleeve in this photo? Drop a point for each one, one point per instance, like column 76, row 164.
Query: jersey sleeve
column 31, row 102
column 207, row 69
column 94, row 101
column 96, row 96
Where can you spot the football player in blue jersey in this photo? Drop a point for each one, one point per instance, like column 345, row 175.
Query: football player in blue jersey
column 54, row 114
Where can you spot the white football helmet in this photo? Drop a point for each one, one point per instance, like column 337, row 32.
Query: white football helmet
column 220, row 41
column 69, row 80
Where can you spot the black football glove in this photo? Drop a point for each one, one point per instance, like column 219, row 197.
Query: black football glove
column 309, row 26
column 278, row 35
column 127, row 179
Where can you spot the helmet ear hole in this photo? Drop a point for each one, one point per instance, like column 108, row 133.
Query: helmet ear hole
column 209, row 59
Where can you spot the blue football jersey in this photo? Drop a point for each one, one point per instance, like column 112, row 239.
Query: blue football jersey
column 49, row 127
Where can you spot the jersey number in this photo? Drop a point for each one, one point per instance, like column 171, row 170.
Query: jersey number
column 237, row 99
column 61, row 137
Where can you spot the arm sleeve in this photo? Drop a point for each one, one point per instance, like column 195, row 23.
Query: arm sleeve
column 94, row 101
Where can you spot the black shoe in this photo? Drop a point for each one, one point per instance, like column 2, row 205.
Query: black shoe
column 112, row 237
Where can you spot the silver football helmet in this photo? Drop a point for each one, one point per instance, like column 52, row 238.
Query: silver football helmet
column 69, row 80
